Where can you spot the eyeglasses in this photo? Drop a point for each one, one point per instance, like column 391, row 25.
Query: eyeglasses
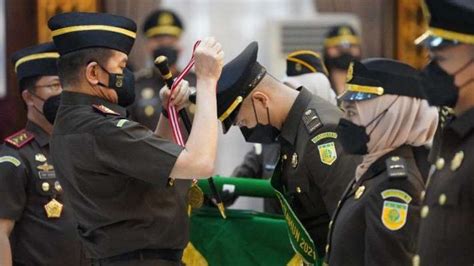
column 55, row 86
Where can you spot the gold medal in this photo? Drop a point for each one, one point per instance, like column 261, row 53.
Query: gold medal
column 53, row 209
column 195, row 196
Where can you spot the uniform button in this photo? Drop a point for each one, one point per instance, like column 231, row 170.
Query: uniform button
column 439, row 163
column 45, row 186
column 416, row 260
column 327, row 248
column 424, row 211
column 298, row 189
column 284, row 157
column 442, row 199
column 422, row 195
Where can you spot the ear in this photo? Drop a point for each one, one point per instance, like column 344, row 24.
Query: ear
column 261, row 97
column 27, row 97
column 92, row 73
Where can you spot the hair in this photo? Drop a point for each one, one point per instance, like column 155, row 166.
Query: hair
column 72, row 65
column 29, row 83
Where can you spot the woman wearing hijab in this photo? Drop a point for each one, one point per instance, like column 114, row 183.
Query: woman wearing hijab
column 377, row 219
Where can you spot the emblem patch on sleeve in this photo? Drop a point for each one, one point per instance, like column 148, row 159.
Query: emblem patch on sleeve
column 327, row 153
column 394, row 214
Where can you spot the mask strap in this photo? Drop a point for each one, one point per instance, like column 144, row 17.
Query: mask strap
column 379, row 116
column 461, row 69
column 254, row 110
column 268, row 116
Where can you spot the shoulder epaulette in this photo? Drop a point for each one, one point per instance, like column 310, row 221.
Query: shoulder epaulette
column 20, row 138
column 311, row 120
column 104, row 109
column 396, row 168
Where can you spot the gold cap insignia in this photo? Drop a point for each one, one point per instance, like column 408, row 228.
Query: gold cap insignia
column 165, row 19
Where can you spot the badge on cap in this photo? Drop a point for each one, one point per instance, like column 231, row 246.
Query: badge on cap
column 327, row 153
column 394, row 214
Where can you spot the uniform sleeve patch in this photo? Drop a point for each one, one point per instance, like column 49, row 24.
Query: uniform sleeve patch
column 396, row 193
column 394, row 214
column 10, row 159
column 327, row 153
column 121, row 122
column 325, row 135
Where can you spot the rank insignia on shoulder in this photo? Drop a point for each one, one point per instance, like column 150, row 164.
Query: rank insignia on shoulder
column 311, row 120
column 104, row 110
column 20, row 138
column 327, row 153
column 396, row 167
column 394, row 213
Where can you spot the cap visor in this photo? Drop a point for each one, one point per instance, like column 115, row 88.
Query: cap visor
column 432, row 41
column 356, row 96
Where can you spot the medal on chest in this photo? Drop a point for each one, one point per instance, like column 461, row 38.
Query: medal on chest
column 194, row 197
column 53, row 208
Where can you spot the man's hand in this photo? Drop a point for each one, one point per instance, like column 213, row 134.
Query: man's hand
column 180, row 97
column 209, row 60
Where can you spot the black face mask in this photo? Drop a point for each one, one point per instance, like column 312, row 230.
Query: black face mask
column 123, row 84
column 439, row 86
column 265, row 134
column 169, row 51
column 50, row 108
column 340, row 62
column 354, row 138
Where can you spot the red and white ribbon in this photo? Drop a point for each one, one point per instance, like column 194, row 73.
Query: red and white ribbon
column 173, row 114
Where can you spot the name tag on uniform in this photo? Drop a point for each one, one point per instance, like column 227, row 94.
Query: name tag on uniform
column 46, row 175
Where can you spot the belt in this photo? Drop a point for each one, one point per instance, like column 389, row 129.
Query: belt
column 144, row 254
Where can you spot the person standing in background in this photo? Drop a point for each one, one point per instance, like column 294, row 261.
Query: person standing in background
column 162, row 29
column 36, row 227
column 446, row 234
column 341, row 46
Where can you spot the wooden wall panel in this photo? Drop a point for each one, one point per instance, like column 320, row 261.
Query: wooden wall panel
column 377, row 21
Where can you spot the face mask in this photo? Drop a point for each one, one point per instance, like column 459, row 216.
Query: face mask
column 169, row 51
column 123, row 84
column 50, row 108
column 354, row 138
column 265, row 134
column 439, row 86
column 340, row 62
column 46, row 102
